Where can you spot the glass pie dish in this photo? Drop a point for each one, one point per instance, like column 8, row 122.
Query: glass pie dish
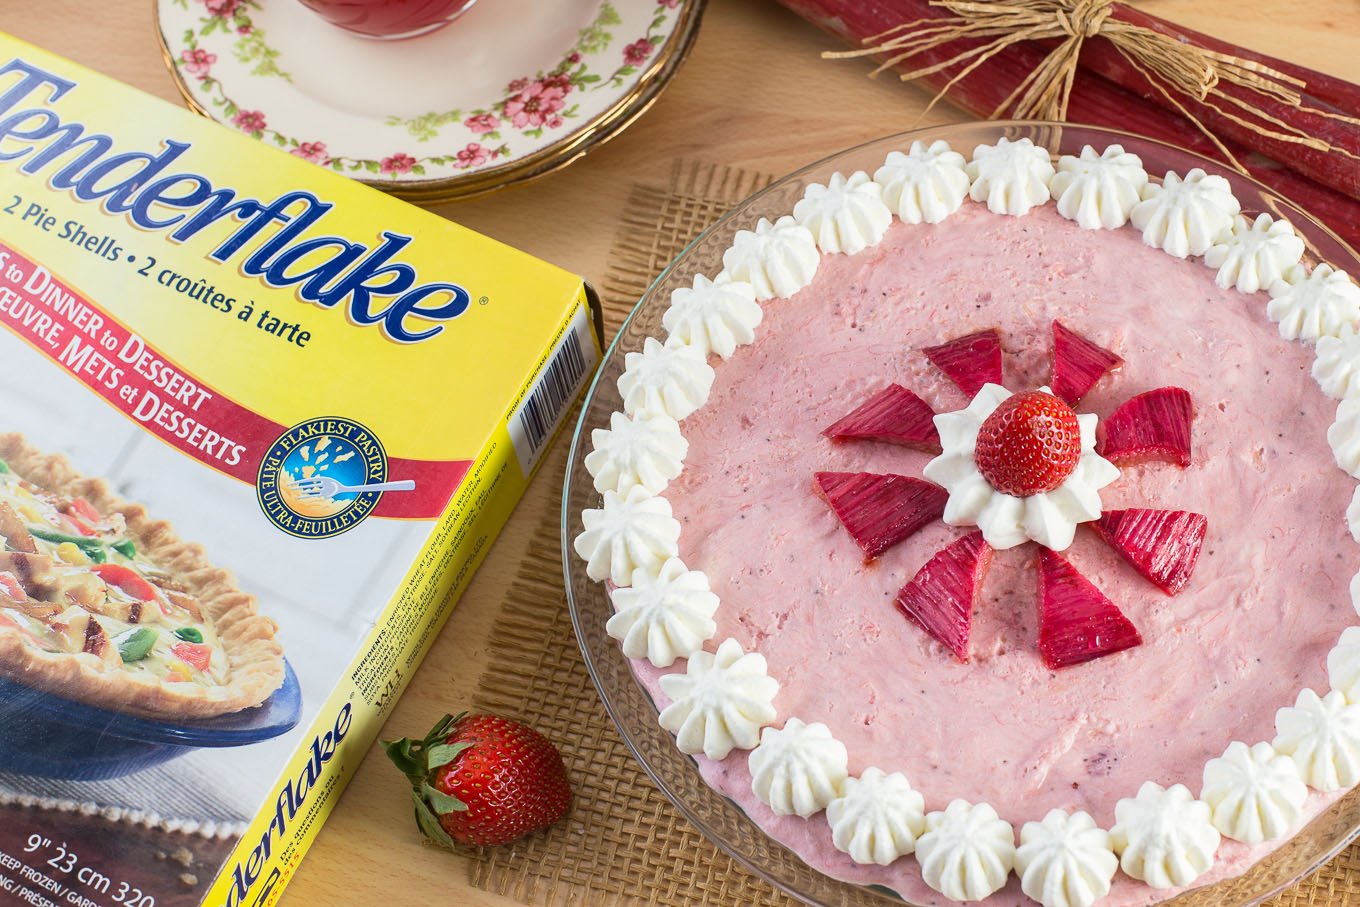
column 630, row 706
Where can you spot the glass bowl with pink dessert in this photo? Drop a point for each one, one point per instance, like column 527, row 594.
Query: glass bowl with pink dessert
column 1207, row 652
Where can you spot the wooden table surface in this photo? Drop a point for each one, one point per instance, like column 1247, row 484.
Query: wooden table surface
column 754, row 94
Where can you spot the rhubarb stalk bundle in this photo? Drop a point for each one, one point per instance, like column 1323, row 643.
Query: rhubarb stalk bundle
column 1107, row 64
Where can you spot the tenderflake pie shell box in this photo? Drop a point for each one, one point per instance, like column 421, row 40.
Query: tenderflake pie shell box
column 259, row 426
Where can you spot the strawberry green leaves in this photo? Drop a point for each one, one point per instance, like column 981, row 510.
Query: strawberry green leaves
column 482, row 780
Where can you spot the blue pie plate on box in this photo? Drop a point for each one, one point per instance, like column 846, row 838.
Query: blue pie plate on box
column 54, row 737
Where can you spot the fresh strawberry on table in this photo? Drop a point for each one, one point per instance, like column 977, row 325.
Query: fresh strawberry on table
column 482, row 780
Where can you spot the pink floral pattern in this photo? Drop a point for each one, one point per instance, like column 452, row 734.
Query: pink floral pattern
column 198, row 62
column 222, row 9
column 558, row 80
column 535, row 105
column 251, row 121
column 312, row 151
column 474, row 155
column 637, row 52
column 397, row 164
column 482, row 123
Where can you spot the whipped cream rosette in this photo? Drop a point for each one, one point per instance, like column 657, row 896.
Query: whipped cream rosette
column 1186, row 216
column 1164, row 836
column 1010, row 177
column 1314, row 304
column 631, row 531
column 721, row 701
column 1337, row 366
column 967, row 851
column 1066, row 860
column 877, row 817
column 646, row 451
column 712, row 317
column 776, row 259
column 846, row 215
column 1353, row 521
column 1098, row 190
column 662, row 380
column 1343, row 665
column 797, row 770
column 1255, row 793
column 1344, row 436
column 1321, row 734
column 663, row 616
column 1255, row 254
column 926, row 184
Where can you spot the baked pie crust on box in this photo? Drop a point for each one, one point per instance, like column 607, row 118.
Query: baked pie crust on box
column 194, row 645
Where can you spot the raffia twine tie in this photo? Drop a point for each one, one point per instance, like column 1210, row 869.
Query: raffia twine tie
column 1170, row 66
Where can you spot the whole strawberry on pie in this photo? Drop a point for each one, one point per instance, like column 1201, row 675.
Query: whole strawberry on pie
column 1029, row 444
column 482, row 780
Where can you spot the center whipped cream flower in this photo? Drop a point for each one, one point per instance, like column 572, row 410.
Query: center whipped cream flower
column 1020, row 467
column 1006, row 520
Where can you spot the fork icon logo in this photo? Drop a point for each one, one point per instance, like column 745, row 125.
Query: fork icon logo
column 323, row 476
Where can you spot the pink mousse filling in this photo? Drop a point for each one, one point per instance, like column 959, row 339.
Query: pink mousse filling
column 1267, row 602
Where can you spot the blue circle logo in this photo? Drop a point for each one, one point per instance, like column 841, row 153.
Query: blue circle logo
column 316, row 479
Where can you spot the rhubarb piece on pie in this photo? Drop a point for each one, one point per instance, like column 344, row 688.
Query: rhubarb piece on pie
column 1163, row 545
column 1078, row 364
column 971, row 361
column 894, row 415
column 1077, row 622
column 940, row 597
column 1150, row 426
column 880, row 510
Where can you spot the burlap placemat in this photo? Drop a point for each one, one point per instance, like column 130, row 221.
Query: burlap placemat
column 624, row 842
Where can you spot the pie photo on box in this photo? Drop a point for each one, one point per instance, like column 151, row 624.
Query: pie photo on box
column 103, row 604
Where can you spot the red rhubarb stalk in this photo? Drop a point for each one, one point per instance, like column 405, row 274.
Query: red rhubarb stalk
column 1338, row 168
column 1324, row 91
column 1094, row 100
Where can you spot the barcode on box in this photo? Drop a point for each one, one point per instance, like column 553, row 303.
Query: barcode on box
column 538, row 415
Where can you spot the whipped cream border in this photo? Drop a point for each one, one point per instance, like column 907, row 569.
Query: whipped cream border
column 1000, row 150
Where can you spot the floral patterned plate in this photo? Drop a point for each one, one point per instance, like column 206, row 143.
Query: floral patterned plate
column 513, row 90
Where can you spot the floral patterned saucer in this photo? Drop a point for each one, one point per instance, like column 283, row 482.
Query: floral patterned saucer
column 513, row 90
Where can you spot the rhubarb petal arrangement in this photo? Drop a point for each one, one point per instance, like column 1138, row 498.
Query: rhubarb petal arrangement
column 1021, row 468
